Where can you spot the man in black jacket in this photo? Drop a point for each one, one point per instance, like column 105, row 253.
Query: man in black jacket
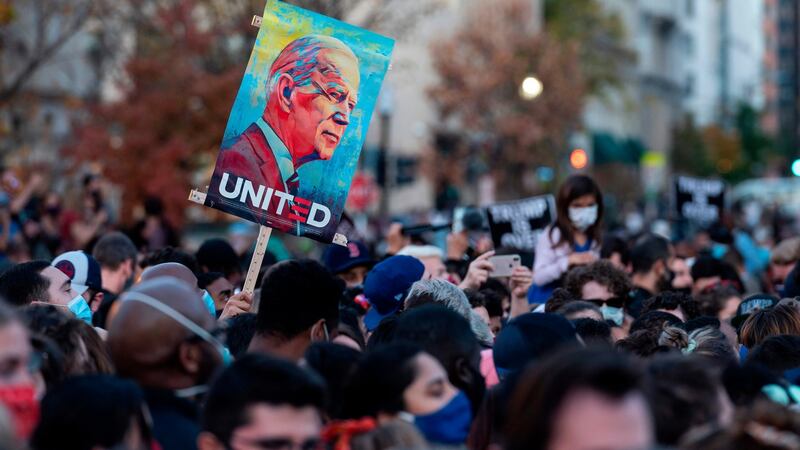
column 160, row 339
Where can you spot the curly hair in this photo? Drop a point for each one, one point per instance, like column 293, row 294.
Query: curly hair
column 559, row 298
column 669, row 300
column 601, row 272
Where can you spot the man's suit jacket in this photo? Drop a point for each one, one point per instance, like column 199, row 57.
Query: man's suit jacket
column 249, row 156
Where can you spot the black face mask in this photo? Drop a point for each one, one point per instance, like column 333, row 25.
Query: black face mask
column 683, row 290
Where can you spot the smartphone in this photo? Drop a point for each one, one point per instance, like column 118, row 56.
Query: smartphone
column 504, row 265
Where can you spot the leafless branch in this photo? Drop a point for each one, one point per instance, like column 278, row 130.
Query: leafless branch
column 45, row 48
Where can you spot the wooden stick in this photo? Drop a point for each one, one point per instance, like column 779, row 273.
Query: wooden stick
column 258, row 257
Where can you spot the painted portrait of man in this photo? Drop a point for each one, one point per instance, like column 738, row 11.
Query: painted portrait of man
column 312, row 90
column 299, row 122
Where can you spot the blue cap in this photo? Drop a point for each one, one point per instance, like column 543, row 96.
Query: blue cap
column 340, row 259
column 387, row 285
column 530, row 337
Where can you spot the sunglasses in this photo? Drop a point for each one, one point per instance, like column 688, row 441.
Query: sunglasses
column 614, row 302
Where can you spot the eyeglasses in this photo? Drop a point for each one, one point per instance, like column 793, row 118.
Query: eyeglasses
column 614, row 302
column 336, row 98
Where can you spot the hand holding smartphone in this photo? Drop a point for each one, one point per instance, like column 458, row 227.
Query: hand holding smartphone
column 504, row 265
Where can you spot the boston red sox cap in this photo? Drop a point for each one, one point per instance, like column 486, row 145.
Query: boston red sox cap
column 82, row 269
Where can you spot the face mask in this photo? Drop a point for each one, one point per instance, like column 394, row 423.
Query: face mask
column 81, row 309
column 20, row 402
column 208, row 300
column 584, row 217
column 613, row 314
column 183, row 321
column 449, row 425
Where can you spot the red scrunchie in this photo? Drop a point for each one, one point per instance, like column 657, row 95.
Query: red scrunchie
column 339, row 433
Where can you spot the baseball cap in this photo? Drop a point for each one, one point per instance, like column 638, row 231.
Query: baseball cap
column 387, row 284
column 751, row 304
column 338, row 258
column 528, row 338
column 82, row 269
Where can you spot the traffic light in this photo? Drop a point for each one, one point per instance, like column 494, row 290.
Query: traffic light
column 796, row 168
column 578, row 159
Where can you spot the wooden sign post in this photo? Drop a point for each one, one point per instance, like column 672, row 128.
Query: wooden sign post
column 258, row 257
column 199, row 197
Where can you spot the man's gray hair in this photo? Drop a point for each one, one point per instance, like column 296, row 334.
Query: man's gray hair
column 451, row 297
column 299, row 58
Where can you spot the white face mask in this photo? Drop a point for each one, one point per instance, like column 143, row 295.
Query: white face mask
column 583, row 217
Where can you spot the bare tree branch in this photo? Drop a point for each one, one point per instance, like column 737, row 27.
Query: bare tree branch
column 43, row 49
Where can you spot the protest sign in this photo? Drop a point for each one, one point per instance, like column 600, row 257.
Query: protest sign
column 296, row 129
column 518, row 224
column 699, row 200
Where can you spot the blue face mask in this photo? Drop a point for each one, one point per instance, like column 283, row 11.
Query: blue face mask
column 449, row 425
column 208, row 300
column 613, row 314
column 81, row 309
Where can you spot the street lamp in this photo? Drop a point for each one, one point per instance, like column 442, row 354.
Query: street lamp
column 530, row 88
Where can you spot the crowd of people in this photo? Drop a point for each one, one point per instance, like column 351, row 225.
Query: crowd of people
column 605, row 340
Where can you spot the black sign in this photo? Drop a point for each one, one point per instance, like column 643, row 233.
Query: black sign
column 518, row 224
column 699, row 200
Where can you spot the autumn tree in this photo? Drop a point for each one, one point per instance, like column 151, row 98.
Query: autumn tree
column 177, row 96
column 28, row 46
column 162, row 137
column 689, row 154
column 741, row 152
column 599, row 35
column 481, row 68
